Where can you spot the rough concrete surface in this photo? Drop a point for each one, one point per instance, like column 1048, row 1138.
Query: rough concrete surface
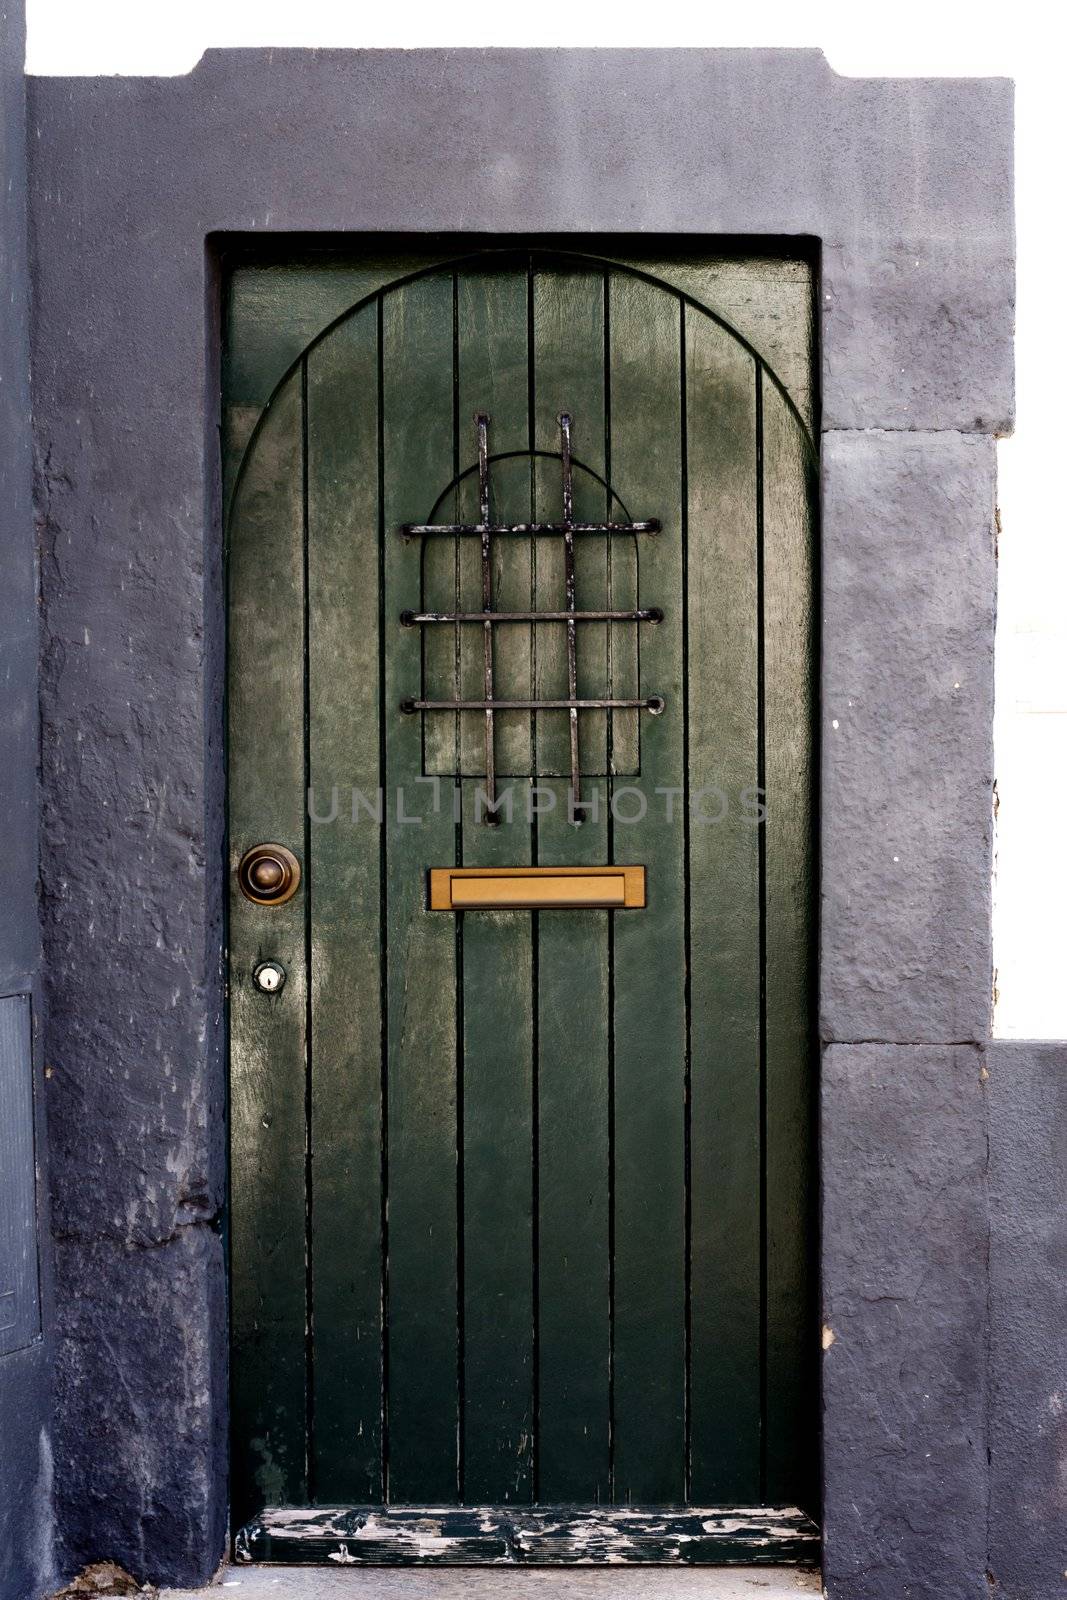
column 135, row 1411
column 20, row 939
column 471, row 1583
column 909, row 580
column 1027, row 1093
column 905, row 1241
column 26, row 1550
column 907, row 183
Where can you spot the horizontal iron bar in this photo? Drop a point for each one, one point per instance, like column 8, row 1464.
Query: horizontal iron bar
column 411, row 619
column 418, row 530
column 652, row 702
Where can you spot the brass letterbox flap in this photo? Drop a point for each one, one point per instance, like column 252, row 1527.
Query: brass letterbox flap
column 536, row 888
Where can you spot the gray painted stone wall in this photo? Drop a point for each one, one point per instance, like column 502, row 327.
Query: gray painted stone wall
column 909, row 579
column 907, row 186
column 906, row 984
column 26, row 1565
column 958, row 1156
column 905, row 1238
column 1027, row 1097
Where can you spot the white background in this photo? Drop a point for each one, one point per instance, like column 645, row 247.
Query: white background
column 906, row 39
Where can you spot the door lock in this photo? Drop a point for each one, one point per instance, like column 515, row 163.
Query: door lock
column 269, row 977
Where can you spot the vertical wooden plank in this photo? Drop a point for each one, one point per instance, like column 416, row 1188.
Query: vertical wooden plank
column 650, row 1021
column 569, row 376
column 724, row 937
column 624, row 642
column 498, row 1426
column 443, row 563
column 573, row 1169
column 498, row 1267
column 573, row 982
column 422, row 1417
column 344, row 900
column 441, row 645
column 789, row 663
column 493, row 378
column 267, row 1061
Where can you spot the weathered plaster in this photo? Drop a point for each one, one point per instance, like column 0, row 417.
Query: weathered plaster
column 1027, row 1094
column 26, row 1559
column 907, row 186
column 909, row 575
column 141, row 1436
column 20, row 939
column 904, row 1168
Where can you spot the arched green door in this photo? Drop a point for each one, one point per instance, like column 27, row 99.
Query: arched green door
column 522, row 1198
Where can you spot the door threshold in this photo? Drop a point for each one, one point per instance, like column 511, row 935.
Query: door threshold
column 513, row 1583
column 545, row 1536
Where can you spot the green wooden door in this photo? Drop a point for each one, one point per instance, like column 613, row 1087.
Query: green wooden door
column 521, row 1210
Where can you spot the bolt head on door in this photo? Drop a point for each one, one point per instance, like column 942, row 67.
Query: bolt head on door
column 268, row 874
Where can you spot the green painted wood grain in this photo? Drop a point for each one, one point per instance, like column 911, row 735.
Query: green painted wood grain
column 574, row 1020
column 724, row 933
column 568, row 335
column 267, row 1071
column 498, row 1427
column 345, row 905
column 789, row 497
column 650, row 1033
column 493, row 378
column 498, row 1270
column 275, row 308
column 423, row 1400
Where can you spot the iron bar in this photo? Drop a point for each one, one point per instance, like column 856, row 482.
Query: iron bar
column 652, row 703
column 412, row 619
column 482, row 422
column 485, row 530
column 569, row 583
column 454, row 530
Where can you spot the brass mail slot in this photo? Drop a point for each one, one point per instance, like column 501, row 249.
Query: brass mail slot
column 535, row 888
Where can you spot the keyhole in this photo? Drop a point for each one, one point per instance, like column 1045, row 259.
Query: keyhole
column 269, row 977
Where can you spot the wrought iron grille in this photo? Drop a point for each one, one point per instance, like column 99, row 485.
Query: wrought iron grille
column 487, row 618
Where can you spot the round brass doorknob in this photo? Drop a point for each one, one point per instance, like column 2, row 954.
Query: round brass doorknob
column 269, row 874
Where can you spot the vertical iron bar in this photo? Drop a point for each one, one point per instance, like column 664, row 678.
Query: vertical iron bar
column 572, row 633
column 482, row 421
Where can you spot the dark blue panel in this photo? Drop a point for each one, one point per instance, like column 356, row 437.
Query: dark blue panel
column 20, row 1303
